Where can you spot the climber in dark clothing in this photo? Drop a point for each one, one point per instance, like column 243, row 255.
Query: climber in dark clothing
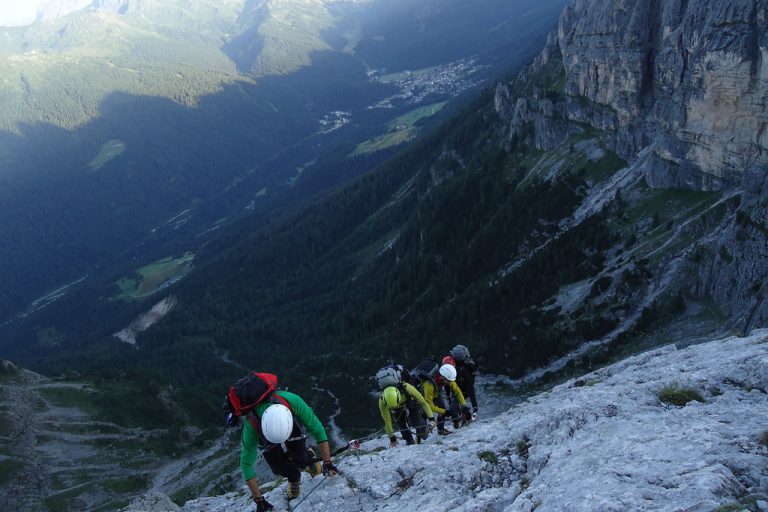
column 466, row 370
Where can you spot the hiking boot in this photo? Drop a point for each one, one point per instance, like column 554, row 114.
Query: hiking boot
column 314, row 468
column 294, row 489
column 443, row 431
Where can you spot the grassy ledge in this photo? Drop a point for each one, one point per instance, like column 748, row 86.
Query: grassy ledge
column 676, row 394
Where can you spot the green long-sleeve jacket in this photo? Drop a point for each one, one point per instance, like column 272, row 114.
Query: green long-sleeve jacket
column 387, row 415
column 249, row 441
column 431, row 392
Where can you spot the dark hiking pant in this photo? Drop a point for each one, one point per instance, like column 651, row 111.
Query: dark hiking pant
column 441, row 402
column 452, row 410
column 408, row 416
column 290, row 461
column 466, row 382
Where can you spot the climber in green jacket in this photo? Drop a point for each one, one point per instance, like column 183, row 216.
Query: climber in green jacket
column 407, row 404
column 281, row 440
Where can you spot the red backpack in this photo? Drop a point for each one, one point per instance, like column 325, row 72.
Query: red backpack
column 250, row 391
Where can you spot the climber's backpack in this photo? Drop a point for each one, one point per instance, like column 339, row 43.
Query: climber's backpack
column 250, row 391
column 461, row 354
column 426, row 370
column 392, row 375
column 471, row 365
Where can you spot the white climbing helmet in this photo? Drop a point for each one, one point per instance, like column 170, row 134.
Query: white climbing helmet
column 277, row 423
column 448, row 372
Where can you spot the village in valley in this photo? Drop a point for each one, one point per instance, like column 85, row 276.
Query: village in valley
column 415, row 86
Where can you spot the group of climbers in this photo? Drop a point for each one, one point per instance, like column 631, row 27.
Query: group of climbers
column 428, row 396
column 423, row 399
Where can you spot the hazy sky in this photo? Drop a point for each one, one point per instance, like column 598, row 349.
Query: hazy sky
column 18, row 12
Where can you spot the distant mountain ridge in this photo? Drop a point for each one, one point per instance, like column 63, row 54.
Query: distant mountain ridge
column 33, row 10
column 57, row 8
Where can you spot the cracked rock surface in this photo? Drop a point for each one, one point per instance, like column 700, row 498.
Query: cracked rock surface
column 603, row 442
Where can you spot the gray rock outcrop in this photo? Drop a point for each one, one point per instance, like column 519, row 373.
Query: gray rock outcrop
column 686, row 78
column 678, row 89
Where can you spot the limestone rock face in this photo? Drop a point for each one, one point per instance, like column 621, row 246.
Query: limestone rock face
column 735, row 272
column 678, row 88
column 685, row 77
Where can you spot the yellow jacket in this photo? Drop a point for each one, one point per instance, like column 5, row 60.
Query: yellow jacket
column 431, row 392
column 413, row 394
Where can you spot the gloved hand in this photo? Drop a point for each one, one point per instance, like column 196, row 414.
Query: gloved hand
column 232, row 420
column 262, row 505
column 329, row 469
column 432, row 425
column 393, row 442
column 467, row 414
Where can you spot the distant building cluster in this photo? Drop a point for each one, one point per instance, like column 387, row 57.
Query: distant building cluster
column 335, row 120
column 415, row 86
column 447, row 80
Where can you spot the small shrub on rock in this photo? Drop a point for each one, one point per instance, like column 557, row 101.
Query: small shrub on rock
column 522, row 448
column 488, row 457
column 678, row 395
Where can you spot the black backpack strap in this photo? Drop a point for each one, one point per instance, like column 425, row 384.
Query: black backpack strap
column 255, row 421
column 404, row 392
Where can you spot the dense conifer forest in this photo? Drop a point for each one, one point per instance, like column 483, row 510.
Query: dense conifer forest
column 400, row 264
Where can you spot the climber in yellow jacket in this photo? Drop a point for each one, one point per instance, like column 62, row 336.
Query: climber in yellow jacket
column 407, row 404
column 445, row 379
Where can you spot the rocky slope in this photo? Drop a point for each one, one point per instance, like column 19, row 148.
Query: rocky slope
column 608, row 441
column 59, row 452
column 678, row 89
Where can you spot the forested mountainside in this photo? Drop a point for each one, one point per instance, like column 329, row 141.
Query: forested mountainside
column 130, row 129
column 538, row 227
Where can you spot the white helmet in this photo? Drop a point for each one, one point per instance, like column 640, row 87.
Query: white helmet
column 277, row 423
column 448, row 372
